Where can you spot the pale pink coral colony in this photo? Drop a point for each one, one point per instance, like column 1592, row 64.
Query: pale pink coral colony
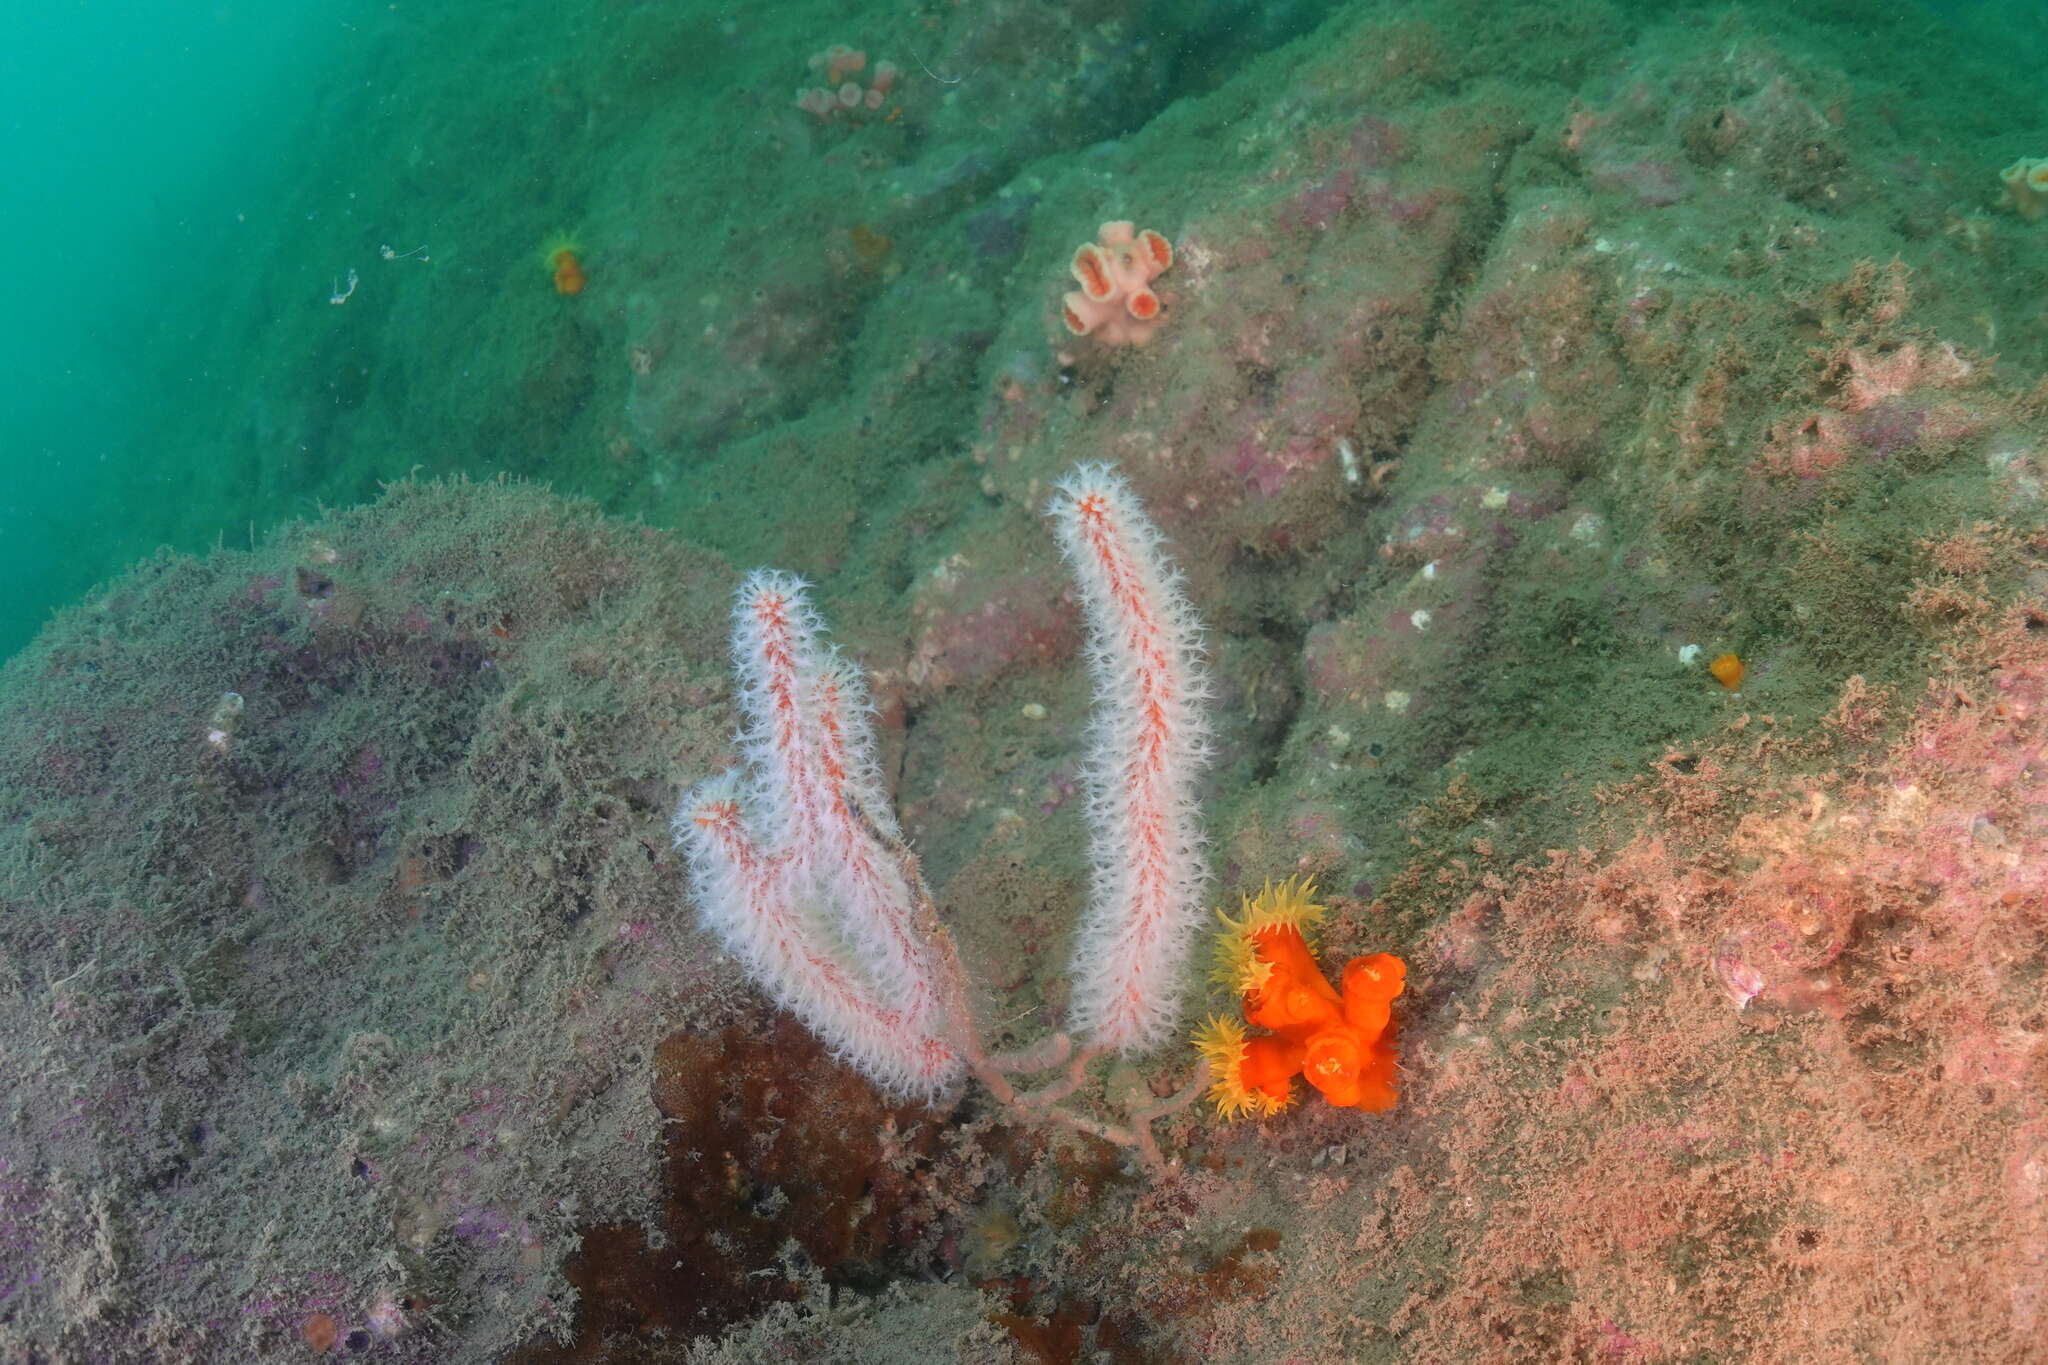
column 838, row 64
column 1115, row 303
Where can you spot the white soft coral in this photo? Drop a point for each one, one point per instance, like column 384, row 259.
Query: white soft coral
column 797, row 863
column 1150, row 738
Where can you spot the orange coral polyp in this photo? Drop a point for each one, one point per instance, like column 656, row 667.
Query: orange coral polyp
column 1379, row 977
column 1143, row 305
column 1297, row 1010
column 1332, row 1063
column 1158, row 251
column 1375, row 1090
column 1269, row 1066
column 1370, row 1017
column 1284, row 951
column 1293, row 996
column 1247, row 1076
column 1092, row 272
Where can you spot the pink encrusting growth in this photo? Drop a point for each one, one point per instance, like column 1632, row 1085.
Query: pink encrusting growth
column 1150, row 739
column 796, row 862
column 766, row 885
column 837, row 65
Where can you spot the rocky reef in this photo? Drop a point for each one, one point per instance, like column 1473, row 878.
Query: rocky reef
column 1513, row 367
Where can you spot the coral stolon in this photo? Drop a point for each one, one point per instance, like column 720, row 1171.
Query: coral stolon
column 1342, row 1044
column 799, row 853
column 1115, row 303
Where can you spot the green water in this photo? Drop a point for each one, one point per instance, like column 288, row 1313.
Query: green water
column 140, row 138
column 186, row 186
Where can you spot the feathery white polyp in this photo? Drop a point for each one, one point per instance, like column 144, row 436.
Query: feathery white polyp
column 1149, row 740
column 783, row 869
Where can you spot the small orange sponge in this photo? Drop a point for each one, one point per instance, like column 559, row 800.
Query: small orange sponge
column 1342, row 1042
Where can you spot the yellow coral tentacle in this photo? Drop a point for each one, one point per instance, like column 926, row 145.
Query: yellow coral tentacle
column 1238, row 967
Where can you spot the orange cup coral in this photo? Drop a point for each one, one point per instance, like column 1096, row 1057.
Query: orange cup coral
column 1342, row 1042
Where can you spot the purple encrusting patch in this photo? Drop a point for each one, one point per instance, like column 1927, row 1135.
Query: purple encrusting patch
column 1890, row 428
column 20, row 1203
